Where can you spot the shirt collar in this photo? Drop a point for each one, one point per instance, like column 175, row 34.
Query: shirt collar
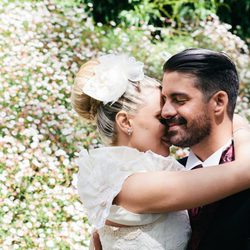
column 212, row 160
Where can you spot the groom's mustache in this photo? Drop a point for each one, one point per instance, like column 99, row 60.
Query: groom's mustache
column 173, row 120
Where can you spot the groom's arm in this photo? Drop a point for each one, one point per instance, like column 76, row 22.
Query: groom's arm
column 96, row 241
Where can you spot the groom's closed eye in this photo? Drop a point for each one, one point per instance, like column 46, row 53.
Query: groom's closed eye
column 180, row 99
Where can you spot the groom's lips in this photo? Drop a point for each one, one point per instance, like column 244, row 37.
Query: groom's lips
column 174, row 125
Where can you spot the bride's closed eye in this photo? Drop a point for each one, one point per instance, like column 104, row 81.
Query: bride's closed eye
column 162, row 120
column 159, row 117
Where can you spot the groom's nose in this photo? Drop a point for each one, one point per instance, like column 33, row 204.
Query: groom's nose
column 168, row 111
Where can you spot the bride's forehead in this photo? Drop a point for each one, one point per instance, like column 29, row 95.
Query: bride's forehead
column 152, row 99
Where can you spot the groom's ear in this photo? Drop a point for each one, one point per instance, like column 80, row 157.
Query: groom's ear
column 219, row 102
column 123, row 121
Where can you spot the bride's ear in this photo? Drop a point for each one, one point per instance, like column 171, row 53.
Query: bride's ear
column 123, row 122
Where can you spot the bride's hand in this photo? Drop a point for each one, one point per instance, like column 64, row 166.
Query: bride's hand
column 241, row 136
column 239, row 123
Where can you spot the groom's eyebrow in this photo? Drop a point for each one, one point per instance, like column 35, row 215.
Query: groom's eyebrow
column 179, row 94
column 175, row 94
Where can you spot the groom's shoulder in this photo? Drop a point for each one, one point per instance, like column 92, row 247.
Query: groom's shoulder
column 183, row 161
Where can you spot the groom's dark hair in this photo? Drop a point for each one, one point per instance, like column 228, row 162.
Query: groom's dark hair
column 214, row 71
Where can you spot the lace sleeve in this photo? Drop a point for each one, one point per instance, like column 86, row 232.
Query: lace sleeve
column 103, row 171
column 98, row 184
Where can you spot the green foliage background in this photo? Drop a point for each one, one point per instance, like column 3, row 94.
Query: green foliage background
column 172, row 12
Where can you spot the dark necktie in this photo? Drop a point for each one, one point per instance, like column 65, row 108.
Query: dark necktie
column 194, row 212
column 200, row 218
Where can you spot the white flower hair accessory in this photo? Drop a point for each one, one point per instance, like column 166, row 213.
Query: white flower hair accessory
column 112, row 77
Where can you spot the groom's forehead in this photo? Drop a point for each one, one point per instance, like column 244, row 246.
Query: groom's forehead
column 179, row 83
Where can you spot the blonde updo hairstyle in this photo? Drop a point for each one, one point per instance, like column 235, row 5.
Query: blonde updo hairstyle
column 105, row 115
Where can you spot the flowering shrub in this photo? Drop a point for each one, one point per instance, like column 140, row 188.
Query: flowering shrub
column 42, row 46
column 216, row 35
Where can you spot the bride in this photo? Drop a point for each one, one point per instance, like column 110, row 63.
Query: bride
column 126, row 106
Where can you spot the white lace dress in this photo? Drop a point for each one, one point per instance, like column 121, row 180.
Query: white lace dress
column 101, row 174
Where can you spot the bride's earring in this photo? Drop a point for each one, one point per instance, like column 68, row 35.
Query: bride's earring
column 130, row 131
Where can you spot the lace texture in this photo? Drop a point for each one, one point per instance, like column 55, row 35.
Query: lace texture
column 170, row 232
column 101, row 175
column 102, row 172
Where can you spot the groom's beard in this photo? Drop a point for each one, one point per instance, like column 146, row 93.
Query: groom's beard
column 189, row 132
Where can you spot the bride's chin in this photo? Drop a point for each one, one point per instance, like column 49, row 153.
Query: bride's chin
column 165, row 151
column 165, row 143
column 166, row 154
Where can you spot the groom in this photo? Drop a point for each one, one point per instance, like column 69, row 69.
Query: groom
column 198, row 85
column 200, row 91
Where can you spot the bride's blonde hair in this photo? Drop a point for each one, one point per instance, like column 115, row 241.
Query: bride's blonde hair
column 104, row 115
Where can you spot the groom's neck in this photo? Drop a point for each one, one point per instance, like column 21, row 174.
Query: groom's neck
column 219, row 136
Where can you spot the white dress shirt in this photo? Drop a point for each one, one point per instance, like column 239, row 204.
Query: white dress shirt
column 212, row 160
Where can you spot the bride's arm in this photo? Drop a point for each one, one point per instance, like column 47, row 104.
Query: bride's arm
column 171, row 191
